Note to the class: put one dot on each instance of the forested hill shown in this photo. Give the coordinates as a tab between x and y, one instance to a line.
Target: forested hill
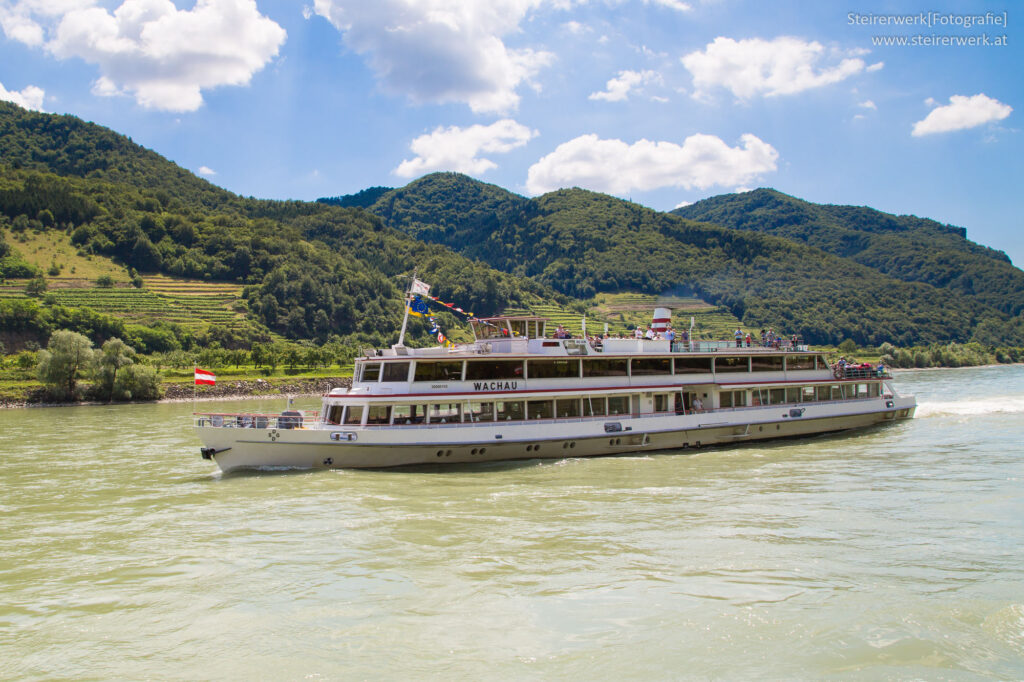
581	243
906	247
311	269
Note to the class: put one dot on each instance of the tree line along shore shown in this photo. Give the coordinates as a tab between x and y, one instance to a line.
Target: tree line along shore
72	370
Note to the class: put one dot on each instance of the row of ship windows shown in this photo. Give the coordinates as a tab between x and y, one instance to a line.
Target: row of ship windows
590	406
572	368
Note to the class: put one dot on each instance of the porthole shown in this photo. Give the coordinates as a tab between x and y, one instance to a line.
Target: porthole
760	428
572	444
483	450
473	451
440	453
777	427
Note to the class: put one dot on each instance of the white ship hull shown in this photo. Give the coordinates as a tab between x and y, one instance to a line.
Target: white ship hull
325	447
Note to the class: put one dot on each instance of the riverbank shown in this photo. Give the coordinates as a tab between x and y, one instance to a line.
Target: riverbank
223	390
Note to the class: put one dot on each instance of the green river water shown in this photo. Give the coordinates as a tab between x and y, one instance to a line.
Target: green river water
896	553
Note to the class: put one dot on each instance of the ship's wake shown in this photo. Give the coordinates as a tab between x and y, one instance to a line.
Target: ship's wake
971	406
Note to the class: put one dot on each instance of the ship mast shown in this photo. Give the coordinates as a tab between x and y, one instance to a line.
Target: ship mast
405	320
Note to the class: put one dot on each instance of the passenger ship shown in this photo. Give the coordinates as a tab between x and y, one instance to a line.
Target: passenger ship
516	393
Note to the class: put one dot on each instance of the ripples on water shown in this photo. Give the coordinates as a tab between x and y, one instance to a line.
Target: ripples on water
894	553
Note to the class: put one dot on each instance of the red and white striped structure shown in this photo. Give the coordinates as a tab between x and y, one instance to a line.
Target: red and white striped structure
662	316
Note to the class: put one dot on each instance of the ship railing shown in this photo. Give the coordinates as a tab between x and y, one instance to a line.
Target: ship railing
860	373
291	419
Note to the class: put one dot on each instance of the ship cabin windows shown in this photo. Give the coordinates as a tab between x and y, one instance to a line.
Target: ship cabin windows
595	407
410	414
766	363
618	404
480	370
566	368
540	409
732	364
612	367
395	371
445	413
732	399
334	414
661	402
792	395
437	371
508	410
650	366
480	412
371	371
794	362
567	408
807	394
353	415
378	414
692	365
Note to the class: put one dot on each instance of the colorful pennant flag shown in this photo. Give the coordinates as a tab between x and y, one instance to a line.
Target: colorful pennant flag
419	287
418	307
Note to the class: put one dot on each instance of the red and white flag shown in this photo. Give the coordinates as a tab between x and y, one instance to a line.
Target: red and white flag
205	377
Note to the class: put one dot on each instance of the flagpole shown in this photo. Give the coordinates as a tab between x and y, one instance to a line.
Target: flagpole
194	389
405	320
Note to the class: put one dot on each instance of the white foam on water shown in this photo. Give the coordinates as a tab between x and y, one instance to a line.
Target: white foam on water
971	407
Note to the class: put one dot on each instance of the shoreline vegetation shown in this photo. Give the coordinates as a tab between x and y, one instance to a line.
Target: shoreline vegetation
20	385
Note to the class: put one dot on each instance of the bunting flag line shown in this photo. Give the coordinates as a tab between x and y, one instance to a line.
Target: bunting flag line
418	307
450	306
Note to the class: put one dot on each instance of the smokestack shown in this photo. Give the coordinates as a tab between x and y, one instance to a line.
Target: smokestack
662	316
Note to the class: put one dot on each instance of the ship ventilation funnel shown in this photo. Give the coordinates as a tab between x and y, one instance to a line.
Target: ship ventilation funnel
662	317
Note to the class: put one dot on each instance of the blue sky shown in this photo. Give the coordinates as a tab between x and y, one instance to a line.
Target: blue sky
659	101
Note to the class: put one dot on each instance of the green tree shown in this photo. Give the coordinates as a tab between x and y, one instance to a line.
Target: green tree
112	358
105	281
36	286
67	359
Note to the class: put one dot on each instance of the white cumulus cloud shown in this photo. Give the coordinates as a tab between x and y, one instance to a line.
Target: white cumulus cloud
163	56
867	104
458	149
617	89
30	97
961	112
671	4
616	167
441	50
752	67
207	171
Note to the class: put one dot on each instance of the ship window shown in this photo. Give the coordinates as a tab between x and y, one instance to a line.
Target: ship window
378	414
872	390
605	368
693	365
354	414
807	394
445	413
732	364
770	363
651	366
494	369
732	398
777	396
792	395
661	402
396	371
518	327
837	392
509	410
371	371
410	414
334	414
594	407
618	404
799	362
480	412
824	393
862	390
540	409
553	369
568	407
437	371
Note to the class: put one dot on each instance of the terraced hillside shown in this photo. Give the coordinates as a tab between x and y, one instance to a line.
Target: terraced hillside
190	303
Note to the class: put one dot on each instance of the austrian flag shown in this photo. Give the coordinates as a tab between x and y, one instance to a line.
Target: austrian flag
205	377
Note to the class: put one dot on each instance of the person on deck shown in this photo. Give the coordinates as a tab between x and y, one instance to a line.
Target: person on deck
739	337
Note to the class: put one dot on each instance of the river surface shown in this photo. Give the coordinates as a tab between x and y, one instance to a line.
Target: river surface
896	553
